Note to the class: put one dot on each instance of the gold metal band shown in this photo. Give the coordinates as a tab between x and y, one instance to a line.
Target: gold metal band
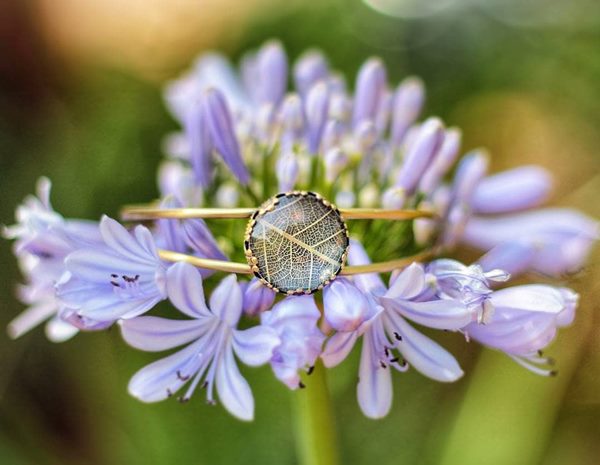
137	213
244	268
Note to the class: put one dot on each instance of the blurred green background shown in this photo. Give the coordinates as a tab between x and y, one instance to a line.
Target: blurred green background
80	102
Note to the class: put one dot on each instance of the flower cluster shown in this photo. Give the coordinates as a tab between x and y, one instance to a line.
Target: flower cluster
245	136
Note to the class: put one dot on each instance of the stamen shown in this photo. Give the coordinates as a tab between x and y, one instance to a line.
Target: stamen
397	336
182	377
301	385
531	367
310	370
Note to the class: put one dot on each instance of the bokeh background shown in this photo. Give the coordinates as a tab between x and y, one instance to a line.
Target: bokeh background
80	102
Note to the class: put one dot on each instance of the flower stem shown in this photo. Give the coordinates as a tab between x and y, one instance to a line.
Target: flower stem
315	435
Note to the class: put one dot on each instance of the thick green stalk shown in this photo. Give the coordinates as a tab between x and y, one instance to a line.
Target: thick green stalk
315	434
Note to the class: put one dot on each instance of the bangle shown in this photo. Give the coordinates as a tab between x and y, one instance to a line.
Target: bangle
295	243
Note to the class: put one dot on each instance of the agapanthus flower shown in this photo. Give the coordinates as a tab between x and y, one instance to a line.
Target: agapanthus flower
295	321
213	340
43	238
248	133
389	341
121	278
525	320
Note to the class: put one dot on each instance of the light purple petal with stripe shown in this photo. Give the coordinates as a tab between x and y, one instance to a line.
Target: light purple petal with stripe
338	347
439	314
154	334
226	301
419	154
234	391
159	380
374	389
367	282
517	189
408	284
222	133
254	346
427	356
184	288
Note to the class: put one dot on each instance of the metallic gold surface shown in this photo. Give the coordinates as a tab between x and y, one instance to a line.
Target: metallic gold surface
244	268
149	213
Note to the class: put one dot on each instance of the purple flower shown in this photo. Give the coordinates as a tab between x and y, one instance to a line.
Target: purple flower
513	190
408	101
371	85
121	278
469	173
420	154
295	321
442	161
257	297
200	143
43	238
317	104
525	321
212	340
468	284
272	69
388	339
210	70
287	170
550	241
222	133
310	68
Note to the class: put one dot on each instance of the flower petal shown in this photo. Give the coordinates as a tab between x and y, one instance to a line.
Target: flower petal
529	298
408	284
226	300
97	265
154	334
427	356
338	347
124	244
184	288
159	380
374	389
440	314
255	346
367	282
233	389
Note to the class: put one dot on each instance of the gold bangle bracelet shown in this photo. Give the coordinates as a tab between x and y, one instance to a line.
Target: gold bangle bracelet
295	243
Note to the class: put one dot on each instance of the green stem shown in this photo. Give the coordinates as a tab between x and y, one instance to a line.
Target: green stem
316	439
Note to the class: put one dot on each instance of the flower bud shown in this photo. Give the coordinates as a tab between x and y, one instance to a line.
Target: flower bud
408	101
222	133
370	87
310	68
287	170
420	154
335	161
346	307
517	189
257	297
227	195
317	103
393	198
272	71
